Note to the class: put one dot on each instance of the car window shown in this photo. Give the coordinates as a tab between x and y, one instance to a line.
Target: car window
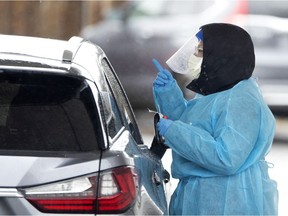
111	113
46	113
122	103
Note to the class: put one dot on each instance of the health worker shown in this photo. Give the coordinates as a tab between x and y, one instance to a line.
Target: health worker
220	138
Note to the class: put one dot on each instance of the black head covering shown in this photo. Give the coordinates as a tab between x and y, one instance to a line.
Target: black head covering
228	58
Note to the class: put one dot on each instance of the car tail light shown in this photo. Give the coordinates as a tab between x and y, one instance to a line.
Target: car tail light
116	193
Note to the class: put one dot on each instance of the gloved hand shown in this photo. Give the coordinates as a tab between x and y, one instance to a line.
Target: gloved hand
164	77
163	125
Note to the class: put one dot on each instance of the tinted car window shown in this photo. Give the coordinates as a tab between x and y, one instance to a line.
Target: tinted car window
121	100
46	112
111	113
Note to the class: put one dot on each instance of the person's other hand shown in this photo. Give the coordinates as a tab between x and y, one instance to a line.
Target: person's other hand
164	77
163	125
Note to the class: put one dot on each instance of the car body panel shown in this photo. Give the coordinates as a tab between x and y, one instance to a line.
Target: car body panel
48	169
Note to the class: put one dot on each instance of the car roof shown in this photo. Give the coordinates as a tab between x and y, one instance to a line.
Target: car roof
45	54
33	46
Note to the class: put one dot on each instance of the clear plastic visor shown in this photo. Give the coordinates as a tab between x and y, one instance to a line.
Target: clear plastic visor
178	62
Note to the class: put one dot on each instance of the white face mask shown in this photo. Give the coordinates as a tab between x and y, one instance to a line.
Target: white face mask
194	66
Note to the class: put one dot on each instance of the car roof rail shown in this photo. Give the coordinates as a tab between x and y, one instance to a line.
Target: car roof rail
73	46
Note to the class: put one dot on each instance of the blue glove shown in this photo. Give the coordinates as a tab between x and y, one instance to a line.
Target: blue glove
164	77
163	125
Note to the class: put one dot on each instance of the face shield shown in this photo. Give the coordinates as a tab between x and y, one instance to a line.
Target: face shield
187	59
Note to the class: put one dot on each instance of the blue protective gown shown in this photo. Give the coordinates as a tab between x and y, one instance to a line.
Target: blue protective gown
219	143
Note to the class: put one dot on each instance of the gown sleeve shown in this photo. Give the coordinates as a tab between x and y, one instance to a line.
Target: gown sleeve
169	100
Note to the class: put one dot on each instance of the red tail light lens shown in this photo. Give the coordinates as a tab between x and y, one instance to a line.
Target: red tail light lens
121	199
117	191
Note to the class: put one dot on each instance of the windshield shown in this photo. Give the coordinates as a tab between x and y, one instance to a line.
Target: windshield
46	113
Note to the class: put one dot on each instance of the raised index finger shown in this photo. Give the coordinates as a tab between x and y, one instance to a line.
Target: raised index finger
158	65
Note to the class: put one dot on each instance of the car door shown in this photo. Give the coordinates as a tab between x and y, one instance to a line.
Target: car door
150	166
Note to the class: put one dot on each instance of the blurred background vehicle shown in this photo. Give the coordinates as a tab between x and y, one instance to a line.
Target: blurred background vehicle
139	31
69	141
270	37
